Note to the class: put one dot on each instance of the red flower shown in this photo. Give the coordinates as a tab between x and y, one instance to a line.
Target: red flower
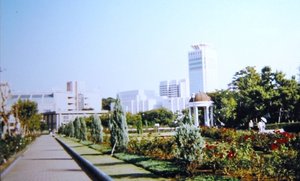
281	141
274	146
210	147
230	154
287	135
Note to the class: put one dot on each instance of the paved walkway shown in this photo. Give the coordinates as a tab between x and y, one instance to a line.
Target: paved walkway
117	169
45	160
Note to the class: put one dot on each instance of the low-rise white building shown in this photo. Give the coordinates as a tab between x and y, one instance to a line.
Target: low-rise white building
173	96
136	101
61	107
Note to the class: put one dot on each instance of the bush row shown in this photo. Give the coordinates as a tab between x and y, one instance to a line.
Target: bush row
13	144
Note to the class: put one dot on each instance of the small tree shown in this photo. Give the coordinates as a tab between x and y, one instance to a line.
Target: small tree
189	146
96	129
139	126
118	128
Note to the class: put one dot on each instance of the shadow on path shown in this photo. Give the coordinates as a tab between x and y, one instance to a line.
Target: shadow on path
65	170
91	154
110	164
134	175
48	159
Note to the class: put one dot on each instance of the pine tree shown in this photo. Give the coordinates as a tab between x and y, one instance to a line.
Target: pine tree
118	128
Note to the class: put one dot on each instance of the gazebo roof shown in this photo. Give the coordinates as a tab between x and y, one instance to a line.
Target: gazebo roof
200	97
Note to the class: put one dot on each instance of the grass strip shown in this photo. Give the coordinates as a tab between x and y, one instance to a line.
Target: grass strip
159	167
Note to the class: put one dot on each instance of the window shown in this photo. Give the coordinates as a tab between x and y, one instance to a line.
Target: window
25	96
14	97
37	96
48	95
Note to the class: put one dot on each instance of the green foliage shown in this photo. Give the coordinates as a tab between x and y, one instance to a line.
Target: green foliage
43	126
118	128
107	102
225	106
88	122
254	95
133	119
161	116
96	130
26	112
185	119
105	119
12	145
35	122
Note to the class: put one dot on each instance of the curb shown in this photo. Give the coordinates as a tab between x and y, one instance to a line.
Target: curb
93	172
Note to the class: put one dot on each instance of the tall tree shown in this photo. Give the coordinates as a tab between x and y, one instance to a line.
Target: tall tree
250	94
118	128
225	107
4	110
268	94
26	112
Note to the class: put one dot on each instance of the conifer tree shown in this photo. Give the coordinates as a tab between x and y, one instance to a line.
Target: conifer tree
96	129
118	128
82	129
77	126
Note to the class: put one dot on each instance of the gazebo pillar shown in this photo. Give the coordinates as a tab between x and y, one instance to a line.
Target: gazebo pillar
206	116
190	113
196	122
212	116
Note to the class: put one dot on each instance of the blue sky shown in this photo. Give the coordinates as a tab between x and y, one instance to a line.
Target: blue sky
123	45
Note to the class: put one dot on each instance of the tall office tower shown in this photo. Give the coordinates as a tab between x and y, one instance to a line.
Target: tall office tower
203	73
173	88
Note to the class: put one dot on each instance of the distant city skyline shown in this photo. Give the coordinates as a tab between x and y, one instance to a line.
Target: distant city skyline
126	45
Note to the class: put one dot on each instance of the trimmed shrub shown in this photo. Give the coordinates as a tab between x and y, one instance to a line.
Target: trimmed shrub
189	147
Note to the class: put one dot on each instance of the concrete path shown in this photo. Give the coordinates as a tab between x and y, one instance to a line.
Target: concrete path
45	160
117	169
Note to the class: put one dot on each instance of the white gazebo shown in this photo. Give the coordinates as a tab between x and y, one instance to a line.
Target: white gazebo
201	100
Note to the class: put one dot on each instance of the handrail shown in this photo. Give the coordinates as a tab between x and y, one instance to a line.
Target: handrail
93	172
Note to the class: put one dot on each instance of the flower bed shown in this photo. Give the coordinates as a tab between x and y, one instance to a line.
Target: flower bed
239	154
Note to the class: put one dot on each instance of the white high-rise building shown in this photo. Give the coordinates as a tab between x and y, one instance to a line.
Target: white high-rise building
203	72
173	88
174	95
